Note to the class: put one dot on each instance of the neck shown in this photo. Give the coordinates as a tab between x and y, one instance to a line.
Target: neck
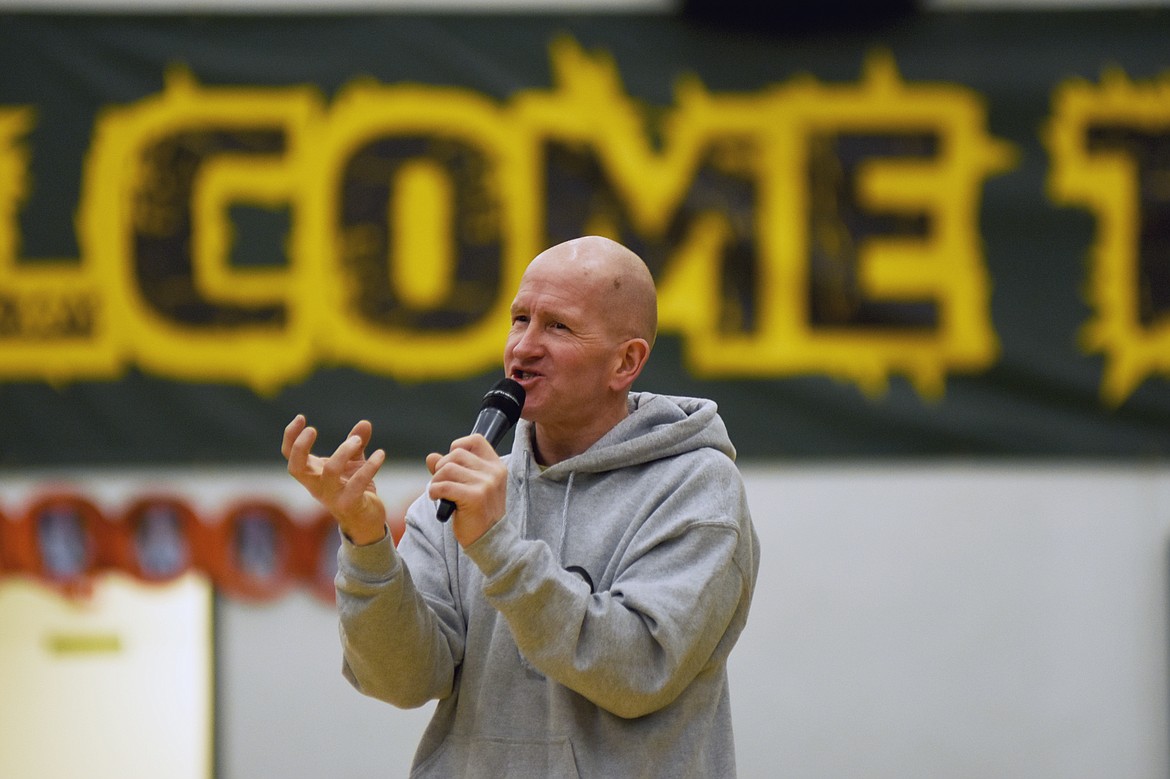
552	444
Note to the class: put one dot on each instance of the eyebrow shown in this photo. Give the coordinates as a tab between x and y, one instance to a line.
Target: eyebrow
558	314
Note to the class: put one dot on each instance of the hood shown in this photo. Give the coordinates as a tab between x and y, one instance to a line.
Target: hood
658	426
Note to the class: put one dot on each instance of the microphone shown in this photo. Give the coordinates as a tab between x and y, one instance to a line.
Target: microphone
499	410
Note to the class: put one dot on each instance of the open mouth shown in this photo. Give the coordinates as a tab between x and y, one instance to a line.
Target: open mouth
520	375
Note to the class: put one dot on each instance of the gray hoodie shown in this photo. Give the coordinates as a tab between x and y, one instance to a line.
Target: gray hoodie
587	632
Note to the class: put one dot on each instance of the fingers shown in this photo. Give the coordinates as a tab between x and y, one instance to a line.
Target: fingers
363	430
291	431
356	506
343	482
324	477
343	462
476	444
460	460
355	488
298	451
475	479
469	466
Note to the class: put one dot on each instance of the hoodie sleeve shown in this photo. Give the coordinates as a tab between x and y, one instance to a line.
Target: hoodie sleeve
401	641
676	605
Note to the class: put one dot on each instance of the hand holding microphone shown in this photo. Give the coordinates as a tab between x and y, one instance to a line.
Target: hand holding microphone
498	412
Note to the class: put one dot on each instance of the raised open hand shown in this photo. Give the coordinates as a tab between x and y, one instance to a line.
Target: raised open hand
343	482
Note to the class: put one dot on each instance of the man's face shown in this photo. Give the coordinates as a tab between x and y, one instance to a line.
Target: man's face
559	347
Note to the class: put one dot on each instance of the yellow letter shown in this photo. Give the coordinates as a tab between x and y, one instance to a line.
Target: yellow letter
158	185
416	219
1102	141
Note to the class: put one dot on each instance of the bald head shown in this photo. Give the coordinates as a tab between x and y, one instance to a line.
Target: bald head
616	278
583	321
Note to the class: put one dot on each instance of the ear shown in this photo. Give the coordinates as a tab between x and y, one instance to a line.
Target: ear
630	359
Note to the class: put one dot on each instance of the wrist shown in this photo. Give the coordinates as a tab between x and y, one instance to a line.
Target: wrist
365	536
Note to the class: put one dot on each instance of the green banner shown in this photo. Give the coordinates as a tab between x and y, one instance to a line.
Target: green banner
944	235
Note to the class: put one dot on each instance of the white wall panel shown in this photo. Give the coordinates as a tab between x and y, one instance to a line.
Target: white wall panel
983	620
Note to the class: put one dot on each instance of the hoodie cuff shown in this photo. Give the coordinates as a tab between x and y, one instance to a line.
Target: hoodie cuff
490	552
368	562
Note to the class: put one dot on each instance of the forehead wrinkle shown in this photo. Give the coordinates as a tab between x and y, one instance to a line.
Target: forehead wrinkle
557	302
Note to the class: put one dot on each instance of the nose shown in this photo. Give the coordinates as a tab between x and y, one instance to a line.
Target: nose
526	342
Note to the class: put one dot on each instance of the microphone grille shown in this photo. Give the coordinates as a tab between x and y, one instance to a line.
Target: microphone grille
507	396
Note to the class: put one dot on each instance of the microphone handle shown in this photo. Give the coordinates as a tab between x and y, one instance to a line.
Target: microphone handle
491	424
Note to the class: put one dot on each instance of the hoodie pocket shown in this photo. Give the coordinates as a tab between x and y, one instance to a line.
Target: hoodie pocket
492	758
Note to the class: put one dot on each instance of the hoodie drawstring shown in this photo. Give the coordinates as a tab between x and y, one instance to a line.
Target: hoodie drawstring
565	519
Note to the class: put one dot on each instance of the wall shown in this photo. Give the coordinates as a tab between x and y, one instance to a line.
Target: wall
956	620
912	620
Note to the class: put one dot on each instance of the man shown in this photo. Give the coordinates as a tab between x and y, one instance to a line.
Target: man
575	616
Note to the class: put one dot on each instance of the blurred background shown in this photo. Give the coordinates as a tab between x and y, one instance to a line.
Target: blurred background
918	252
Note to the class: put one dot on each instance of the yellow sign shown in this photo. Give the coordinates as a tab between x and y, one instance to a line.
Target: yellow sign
804	229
